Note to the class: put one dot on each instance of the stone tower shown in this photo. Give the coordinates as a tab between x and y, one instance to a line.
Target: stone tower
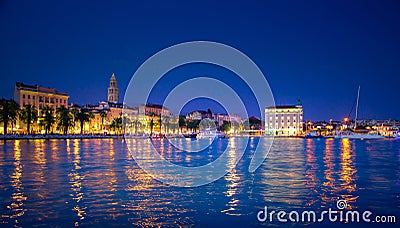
113	90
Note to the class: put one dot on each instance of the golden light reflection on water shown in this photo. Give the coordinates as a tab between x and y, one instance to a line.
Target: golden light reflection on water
38	173
17	198
283	175
329	183
232	182
347	173
143	180
75	180
91	181
153	198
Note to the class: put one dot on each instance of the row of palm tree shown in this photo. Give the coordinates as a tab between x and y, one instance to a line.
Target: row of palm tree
9	110
63	118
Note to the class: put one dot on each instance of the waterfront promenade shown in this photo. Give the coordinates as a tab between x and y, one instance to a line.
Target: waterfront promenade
58	136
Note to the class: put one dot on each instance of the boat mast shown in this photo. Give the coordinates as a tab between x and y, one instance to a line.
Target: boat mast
355	119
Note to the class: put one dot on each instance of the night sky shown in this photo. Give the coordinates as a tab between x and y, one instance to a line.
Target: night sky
318	51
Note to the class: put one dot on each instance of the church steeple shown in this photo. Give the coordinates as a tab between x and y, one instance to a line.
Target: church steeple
113	92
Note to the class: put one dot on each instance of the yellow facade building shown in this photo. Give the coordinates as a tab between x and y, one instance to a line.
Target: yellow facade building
284	120
39	96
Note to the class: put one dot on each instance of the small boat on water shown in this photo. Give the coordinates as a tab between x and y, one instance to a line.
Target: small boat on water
358	134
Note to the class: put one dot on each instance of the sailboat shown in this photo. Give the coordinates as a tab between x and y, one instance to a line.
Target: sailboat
358	134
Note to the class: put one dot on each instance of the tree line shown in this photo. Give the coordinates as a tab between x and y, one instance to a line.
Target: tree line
63	119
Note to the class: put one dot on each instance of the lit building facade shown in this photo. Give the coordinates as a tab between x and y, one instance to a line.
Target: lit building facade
220	118
153	109
284	120
39	96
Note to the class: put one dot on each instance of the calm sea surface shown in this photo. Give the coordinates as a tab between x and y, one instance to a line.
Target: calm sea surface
95	182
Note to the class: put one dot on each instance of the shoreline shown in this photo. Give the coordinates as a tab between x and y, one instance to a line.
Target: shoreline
57	136
89	136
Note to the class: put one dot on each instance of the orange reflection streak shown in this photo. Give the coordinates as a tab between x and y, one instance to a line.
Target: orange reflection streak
233	181
142	178
347	173
140	186
76	183
68	141
39	155
55	148
111	172
17	197
40	161
329	182
112	152
146	210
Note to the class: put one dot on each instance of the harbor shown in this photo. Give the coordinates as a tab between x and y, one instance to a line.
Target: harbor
199	114
95	182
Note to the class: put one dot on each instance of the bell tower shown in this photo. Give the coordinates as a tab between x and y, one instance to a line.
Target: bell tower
113	93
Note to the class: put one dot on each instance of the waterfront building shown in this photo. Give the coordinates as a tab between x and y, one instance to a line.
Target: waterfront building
153	110
113	91
387	130
39	96
99	124
285	120
232	118
199	115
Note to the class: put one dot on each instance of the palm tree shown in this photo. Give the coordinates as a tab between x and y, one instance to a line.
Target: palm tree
91	116
74	112
166	124
64	119
182	122
29	116
103	115
126	123
9	110
136	123
116	124
48	118
83	116
151	126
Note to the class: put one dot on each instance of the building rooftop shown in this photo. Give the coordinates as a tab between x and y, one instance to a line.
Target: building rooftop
283	107
154	106
38	88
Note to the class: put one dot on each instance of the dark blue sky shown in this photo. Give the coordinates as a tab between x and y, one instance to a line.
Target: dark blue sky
318	51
